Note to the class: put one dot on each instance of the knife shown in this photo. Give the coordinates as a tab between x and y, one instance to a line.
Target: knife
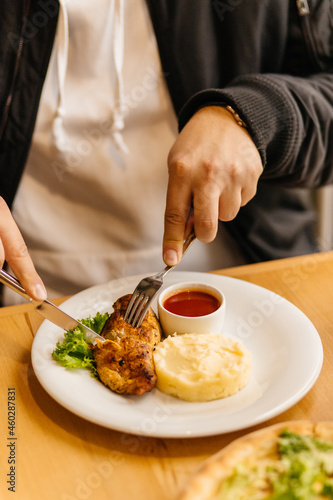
47	309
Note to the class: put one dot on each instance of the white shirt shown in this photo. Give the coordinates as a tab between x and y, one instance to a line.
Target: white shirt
93	213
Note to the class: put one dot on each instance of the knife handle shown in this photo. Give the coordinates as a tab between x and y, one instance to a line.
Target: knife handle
13	283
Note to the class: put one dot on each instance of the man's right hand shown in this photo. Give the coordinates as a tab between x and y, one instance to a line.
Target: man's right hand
214	168
14	250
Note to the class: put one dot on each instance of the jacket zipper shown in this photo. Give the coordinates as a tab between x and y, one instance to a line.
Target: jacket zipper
303	7
304	11
16	68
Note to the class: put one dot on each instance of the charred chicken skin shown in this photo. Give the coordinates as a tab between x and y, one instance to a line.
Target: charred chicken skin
125	361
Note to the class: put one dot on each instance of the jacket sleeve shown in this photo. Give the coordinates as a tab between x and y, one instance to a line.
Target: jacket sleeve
290	120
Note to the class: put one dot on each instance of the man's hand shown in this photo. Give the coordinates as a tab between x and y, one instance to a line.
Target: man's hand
13	249
214	168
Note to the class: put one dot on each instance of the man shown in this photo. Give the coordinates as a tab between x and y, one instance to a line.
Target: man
251	85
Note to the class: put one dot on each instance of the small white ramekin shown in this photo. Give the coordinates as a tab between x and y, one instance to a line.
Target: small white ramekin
173	323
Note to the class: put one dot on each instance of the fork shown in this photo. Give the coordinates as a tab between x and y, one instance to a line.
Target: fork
147	289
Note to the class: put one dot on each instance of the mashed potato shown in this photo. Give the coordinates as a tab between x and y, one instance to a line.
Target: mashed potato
201	367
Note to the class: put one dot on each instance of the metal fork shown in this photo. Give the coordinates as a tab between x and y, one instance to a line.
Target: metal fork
147	289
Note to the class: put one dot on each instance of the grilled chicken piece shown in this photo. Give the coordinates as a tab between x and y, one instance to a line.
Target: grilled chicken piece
125	362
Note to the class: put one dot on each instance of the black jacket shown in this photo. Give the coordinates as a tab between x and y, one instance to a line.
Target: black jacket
272	60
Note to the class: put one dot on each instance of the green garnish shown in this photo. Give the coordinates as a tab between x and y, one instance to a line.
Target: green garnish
308	468
304	472
75	350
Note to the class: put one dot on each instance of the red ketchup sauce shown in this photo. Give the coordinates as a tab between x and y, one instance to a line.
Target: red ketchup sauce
191	303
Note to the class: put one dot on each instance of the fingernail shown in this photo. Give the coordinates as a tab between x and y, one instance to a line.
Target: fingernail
40	292
171	257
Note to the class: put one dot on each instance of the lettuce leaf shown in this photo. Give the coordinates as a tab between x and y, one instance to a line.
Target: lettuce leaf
75	351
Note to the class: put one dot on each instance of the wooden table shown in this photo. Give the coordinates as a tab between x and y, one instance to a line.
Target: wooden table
59	456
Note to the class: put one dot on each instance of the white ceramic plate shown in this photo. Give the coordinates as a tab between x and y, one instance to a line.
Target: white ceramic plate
287	359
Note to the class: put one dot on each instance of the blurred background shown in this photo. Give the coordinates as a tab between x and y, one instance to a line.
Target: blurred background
324	201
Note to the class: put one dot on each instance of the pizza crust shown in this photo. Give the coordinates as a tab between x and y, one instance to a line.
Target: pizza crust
251	448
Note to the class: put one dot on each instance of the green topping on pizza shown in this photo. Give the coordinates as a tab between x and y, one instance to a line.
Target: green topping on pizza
303	471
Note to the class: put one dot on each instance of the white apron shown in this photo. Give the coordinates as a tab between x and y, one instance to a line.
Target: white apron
91	201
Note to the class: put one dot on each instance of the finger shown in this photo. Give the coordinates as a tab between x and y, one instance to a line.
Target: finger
2	254
247	194
250	186
240	187
17	255
229	206
176	219
206	205
235	195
